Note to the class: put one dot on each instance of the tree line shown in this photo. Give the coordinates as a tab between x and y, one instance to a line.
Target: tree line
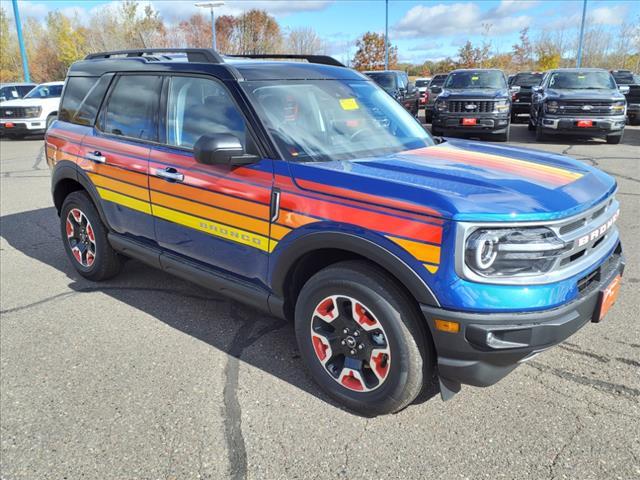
53	44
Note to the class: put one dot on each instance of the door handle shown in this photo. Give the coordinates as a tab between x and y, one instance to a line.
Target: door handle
170	174
97	157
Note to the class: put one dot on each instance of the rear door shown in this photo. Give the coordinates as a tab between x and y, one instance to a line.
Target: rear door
213	214
116	153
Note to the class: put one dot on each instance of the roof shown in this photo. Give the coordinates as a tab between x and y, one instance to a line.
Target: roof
51	83
16	84
578	70
476	70
207	61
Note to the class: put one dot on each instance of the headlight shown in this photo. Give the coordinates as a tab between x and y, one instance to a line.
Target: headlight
32	112
618	107
509	252
502	106
441	105
552	106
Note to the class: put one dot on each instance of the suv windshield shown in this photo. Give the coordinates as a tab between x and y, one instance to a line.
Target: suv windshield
623	78
385	80
527	79
581	80
475	79
45	91
322	120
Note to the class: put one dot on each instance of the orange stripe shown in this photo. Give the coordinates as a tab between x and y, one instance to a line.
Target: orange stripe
211	198
119	174
278	231
233	219
421	251
294	220
116	186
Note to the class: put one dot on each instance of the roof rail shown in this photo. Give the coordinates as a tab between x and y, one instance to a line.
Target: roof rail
321	59
201	55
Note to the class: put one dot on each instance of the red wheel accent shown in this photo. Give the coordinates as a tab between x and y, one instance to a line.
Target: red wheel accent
90	259
77	254
90	233
69	228
320	347
80	237
327	309
77	215
380	364
363	317
351	381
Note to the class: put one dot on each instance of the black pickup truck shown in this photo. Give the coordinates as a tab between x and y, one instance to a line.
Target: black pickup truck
473	102
584	102
396	83
629	86
521	85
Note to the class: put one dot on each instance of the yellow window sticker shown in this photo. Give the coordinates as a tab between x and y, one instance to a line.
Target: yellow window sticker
581	77
475	78
349	104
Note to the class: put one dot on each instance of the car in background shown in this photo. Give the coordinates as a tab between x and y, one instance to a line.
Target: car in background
422	84
629	86
520	86
433	90
473	102
33	114
14	91
396	83
578	101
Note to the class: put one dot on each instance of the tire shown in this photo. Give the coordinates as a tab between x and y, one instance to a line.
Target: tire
614	139
514	117
93	258
540	136
502	137
50	120
389	345
634	121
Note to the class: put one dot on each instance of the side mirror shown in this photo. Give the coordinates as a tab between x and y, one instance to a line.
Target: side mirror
624	89
221	149
436	90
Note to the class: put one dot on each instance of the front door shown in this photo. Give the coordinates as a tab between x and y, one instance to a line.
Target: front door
213	214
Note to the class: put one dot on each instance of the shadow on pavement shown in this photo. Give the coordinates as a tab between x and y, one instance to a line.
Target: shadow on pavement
222	323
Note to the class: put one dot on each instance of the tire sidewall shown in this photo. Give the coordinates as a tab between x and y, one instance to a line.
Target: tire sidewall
386	397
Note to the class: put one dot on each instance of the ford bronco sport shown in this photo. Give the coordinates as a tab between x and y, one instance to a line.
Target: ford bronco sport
304	190
578	101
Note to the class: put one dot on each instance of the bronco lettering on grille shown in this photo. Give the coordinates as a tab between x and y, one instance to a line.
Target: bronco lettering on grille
598	232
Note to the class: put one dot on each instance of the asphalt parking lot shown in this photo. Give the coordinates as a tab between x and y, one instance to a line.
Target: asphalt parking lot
148	376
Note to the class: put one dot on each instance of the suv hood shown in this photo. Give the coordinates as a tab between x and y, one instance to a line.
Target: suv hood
585	94
469	181
31	102
475	93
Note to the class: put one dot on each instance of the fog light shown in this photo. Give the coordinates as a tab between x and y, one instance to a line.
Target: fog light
447	326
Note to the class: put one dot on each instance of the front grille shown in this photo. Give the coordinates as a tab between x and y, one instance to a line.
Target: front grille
13	112
586	108
470	106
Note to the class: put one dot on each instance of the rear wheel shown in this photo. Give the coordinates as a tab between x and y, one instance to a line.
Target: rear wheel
614	139
85	239
362	339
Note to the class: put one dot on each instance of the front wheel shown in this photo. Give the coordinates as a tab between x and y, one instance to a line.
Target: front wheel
614	139
539	134
503	137
85	239
362	338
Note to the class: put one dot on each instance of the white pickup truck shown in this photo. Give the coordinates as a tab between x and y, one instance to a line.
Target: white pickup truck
32	114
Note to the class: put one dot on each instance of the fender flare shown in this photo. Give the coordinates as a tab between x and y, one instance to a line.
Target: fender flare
66	169
355	244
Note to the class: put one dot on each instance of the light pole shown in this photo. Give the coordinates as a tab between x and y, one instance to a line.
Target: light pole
386	35
211	6
584	14
23	51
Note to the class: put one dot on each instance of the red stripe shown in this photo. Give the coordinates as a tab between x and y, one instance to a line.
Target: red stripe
355	216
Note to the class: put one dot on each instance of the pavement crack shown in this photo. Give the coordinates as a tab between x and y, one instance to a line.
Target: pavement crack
245	336
580	351
565	445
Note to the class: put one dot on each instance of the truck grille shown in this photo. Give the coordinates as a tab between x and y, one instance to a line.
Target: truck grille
585	108
12	112
471	106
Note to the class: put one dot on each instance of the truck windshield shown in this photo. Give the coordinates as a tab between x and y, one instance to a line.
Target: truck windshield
582	80
527	79
475	79
385	80
322	120
45	91
438	81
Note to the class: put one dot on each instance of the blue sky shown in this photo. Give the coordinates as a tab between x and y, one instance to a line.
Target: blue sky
421	29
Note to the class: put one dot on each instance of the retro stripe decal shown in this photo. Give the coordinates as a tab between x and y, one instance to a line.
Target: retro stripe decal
125	201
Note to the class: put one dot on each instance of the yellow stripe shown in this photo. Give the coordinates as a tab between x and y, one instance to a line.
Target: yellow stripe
121	187
213	228
120	199
431	268
422	251
524	163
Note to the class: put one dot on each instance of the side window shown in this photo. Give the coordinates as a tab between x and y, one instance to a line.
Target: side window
199	106
74	92
402	81
132	110
25	89
88	109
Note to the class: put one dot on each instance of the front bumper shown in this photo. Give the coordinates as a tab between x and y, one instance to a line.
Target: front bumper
485	122
22	126
569	125
489	346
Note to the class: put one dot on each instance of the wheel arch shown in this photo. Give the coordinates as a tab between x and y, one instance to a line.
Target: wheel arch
312	252
67	178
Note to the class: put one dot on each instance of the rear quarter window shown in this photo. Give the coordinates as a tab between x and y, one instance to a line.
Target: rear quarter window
75	91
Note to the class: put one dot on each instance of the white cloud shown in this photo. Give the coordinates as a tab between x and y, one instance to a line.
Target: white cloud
456	18
613	15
